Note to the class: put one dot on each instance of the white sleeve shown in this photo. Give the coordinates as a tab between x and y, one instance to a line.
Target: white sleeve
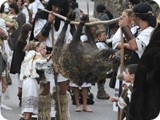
68	37
116	39
39	24
3	26
34	9
142	40
100	46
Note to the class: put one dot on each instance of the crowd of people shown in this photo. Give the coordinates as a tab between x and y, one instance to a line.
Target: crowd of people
27	37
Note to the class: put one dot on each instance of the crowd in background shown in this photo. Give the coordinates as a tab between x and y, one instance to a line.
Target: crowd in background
17	20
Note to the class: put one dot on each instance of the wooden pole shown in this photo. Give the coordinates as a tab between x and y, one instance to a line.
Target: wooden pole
121	73
56	81
88	7
108	22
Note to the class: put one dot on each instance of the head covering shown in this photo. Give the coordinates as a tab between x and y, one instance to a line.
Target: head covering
99	31
100	8
144	11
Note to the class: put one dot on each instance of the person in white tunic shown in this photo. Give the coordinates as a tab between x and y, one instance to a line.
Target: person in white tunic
3	35
146	22
45	27
34	6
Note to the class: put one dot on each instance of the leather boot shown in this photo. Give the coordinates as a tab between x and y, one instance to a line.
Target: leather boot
101	94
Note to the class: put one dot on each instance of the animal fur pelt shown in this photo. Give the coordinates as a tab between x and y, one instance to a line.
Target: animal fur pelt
81	61
64	103
44	105
145	102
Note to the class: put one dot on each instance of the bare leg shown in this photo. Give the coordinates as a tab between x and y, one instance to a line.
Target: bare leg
63	87
76	95
20	95
85	95
19	89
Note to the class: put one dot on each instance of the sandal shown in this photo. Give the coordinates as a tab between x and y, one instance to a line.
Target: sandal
87	110
78	109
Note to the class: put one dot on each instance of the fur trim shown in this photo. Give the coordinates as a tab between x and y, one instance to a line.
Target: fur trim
64	103
44	107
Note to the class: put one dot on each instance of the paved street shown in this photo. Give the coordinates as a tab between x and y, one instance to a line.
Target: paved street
102	109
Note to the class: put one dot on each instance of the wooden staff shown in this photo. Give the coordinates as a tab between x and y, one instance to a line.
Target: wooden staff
87	7
121	74
108	22
56	81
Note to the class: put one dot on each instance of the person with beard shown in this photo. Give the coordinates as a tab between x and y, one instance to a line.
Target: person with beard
44	26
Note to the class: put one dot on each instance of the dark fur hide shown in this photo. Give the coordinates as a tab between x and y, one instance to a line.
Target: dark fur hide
145	102
81	61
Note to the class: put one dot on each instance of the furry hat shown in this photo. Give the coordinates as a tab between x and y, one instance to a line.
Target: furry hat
64	4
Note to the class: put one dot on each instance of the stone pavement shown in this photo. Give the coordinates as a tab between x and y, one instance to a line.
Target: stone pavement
102	109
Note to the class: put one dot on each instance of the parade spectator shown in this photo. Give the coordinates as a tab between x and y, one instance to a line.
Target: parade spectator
27	12
100	38
145	19
116	44
33	6
10	23
104	14
18	56
20	18
125	97
132	3
3	58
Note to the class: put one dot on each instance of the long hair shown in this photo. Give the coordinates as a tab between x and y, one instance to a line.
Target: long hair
15	7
